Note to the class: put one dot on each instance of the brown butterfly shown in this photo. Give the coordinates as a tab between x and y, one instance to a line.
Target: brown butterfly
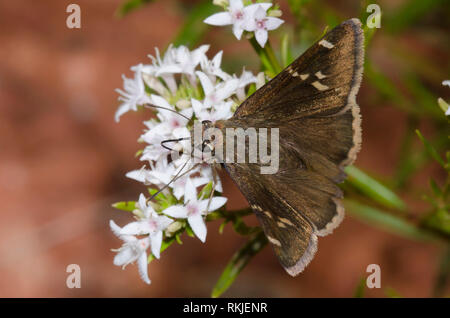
313	104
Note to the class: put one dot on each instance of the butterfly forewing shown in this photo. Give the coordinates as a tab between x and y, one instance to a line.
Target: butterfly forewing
312	103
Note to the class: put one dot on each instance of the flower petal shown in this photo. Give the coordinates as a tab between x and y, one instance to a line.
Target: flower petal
273	23
176	211
236	4
135	228
164	222
190	192
156	241
228	89
221	18
207	85
197	106
216	203
261	37
238	30
198	226
125	107
142	267
124	257
142	202
115	228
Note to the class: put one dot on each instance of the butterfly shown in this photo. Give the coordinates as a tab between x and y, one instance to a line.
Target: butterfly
312	102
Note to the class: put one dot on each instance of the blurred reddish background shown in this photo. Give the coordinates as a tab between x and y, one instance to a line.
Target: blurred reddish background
63	161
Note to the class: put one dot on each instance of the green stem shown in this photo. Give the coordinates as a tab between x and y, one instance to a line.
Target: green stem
273	59
267	57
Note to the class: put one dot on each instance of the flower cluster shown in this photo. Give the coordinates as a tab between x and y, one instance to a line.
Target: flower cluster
253	17
180	87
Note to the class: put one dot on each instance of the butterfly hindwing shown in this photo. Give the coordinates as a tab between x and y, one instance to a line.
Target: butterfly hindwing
313	104
291	235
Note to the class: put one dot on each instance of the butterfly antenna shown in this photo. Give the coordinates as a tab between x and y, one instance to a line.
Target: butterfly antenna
170	110
172	140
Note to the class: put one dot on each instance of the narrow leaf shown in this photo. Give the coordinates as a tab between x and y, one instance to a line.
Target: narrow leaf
389	222
238	262
373	189
129	206
129	6
430	149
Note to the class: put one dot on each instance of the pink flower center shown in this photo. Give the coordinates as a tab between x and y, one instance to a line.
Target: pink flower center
175	123
192	209
261	24
238	15
153	225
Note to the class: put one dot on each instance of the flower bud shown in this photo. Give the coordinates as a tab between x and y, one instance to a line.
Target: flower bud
274	13
173	228
221	3
183	104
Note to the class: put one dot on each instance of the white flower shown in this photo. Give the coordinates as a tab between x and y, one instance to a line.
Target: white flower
134	93
212	68
132	250
260	24
221	111
152	224
188	60
171	126
194	209
446	83
237	15
245	79
215	94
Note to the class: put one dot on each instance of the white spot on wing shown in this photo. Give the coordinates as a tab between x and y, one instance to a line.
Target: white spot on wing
304	76
319	75
286	221
326	44
319	86
273	241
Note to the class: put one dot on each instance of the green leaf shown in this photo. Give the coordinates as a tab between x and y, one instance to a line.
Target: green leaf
360	288
409	12
238	262
189	231
129	206
130	5
286	53
373	189
205	192
430	149
436	190
194	28
138	153
392	293
389	222
439	220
